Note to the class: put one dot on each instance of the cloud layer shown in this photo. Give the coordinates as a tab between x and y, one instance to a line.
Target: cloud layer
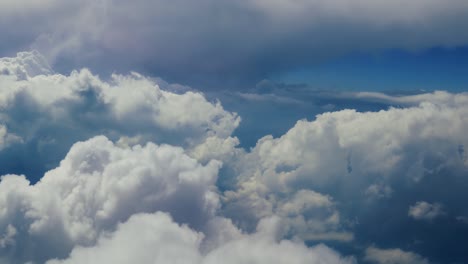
123	165
224	39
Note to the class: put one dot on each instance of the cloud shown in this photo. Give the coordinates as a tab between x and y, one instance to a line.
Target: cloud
304	214
425	211
50	111
362	144
105	204
393	256
144	238
249	39
95	187
378	191
368	166
156	239
345	178
261	248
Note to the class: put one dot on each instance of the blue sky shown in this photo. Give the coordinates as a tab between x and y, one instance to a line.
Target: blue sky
396	70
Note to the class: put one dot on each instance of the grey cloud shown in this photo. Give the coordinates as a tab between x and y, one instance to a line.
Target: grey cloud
227	40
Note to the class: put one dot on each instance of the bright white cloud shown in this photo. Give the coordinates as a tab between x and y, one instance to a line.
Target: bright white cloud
96	186
393	256
357	155
74	212
25	65
350	142
143	238
156	239
50	112
120	99
425	211
262	248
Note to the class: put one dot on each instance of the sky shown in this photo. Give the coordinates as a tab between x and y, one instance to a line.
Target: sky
256	131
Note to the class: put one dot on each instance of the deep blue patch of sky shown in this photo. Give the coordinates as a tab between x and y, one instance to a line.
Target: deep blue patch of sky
433	69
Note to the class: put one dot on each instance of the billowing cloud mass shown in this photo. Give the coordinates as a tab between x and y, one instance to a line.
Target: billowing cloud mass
124	171
126	193
225	39
45	113
98	185
365	153
78	206
156	239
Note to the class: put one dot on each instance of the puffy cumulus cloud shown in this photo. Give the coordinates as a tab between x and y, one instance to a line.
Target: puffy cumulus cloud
363	144
279	33
425	211
51	111
96	186
142	204
156	239
393	256
144	238
330	178
25	65
217	148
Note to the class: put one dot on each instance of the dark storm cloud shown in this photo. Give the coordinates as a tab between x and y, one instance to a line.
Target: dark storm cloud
207	41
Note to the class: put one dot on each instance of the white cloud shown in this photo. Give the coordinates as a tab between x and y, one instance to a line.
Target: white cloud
347	155
25	65
291	187
105	204
49	112
123	96
320	152
304	214
156	239
143	238
425	211
96	186
262	248
217	148
393	256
